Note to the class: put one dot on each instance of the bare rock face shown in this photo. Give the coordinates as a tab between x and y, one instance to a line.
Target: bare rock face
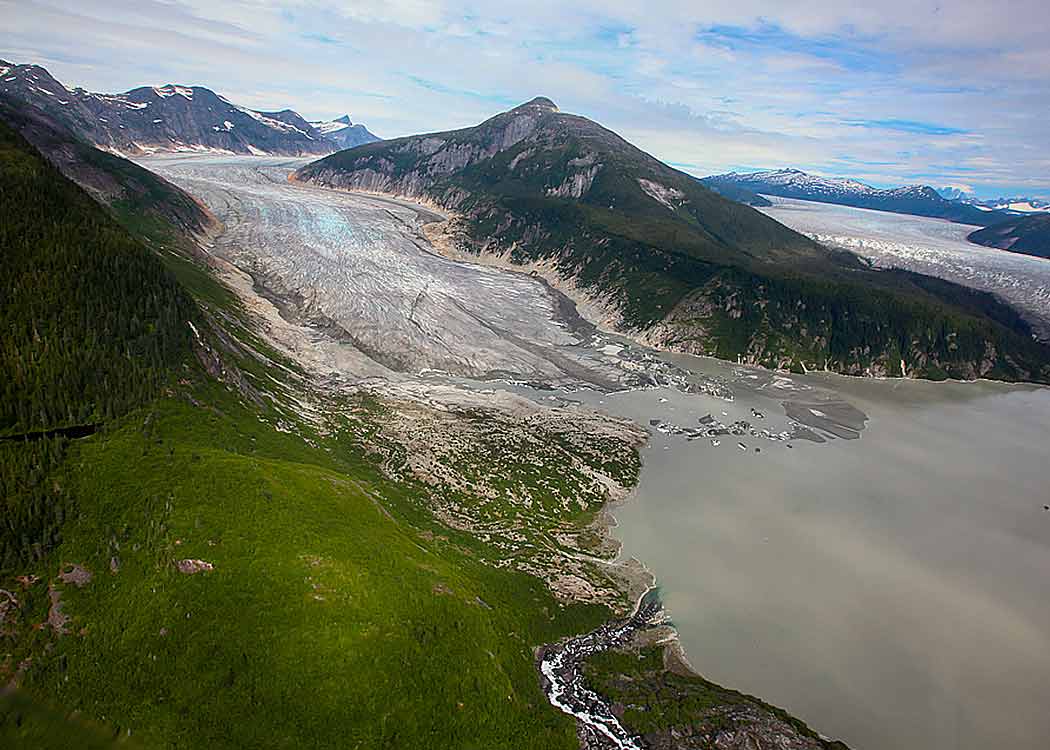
437	155
736	728
8	606
77	575
56	618
191	566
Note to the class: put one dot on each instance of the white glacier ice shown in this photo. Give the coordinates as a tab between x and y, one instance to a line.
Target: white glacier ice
930	246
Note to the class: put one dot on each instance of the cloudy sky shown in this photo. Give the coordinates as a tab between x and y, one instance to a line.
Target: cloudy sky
946	92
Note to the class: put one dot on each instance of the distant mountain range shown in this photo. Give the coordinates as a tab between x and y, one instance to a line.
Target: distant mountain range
174	118
1029	235
133	194
917	200
1017	204
661	257
739	194
344	133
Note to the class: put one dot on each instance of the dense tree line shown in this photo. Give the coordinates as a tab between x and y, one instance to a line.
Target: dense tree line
35	502
848	316
91	326
90	320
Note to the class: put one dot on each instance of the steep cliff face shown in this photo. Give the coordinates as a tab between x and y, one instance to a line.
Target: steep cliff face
675	264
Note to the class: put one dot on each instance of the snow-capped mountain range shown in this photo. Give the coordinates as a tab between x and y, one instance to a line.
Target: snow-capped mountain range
919	200
174	118
344	132
1017	204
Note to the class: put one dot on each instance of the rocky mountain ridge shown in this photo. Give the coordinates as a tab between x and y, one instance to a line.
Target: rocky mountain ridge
917	200
134	194
171	118
1029	235
674	264
344	133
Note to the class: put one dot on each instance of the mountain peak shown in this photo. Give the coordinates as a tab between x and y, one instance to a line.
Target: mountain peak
918	200
540	102
171	117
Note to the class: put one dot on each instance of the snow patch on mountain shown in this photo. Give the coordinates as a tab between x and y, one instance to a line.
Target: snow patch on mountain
1026	207
800	180
332	126
172	90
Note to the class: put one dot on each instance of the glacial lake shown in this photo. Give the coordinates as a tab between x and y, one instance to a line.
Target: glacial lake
892	590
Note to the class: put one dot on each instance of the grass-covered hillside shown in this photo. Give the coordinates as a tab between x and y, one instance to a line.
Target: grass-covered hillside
334	611
680	265
218	554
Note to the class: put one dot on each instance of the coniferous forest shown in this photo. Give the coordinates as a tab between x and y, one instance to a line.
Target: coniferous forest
91	324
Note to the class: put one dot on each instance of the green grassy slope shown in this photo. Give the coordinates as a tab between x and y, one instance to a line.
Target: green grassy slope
338	612
328	620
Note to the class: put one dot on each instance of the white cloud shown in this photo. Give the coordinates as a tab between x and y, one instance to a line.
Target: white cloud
774	84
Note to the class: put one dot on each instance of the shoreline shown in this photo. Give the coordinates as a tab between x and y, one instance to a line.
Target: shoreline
638	573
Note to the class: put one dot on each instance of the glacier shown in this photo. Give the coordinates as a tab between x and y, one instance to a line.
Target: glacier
931	246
